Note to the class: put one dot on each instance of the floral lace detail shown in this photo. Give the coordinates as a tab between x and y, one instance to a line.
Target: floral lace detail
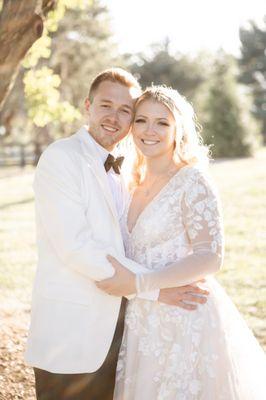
168	353
201	203
161	224
166	340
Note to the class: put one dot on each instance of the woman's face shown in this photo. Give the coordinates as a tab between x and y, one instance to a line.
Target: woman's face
154	129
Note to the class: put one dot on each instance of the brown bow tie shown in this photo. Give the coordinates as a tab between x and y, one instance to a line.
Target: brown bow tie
113	162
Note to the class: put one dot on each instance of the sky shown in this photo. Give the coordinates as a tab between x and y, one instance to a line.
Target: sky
191	25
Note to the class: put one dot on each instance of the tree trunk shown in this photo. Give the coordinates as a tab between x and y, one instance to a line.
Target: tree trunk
20	27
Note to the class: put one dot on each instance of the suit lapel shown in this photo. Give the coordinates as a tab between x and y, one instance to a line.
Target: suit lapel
90	153
101	176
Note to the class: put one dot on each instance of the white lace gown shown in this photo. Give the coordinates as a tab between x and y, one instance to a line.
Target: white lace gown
169	353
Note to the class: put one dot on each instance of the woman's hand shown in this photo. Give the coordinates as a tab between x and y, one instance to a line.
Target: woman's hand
121	284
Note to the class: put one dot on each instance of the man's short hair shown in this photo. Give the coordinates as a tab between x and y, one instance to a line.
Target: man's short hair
116	75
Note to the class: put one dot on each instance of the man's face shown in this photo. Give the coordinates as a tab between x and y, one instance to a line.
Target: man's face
110	113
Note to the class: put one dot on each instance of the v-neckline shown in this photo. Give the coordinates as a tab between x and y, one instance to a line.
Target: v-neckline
154	198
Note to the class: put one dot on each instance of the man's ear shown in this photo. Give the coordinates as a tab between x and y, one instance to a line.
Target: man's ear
87	104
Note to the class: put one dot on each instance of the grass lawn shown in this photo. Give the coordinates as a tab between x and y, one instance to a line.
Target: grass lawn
17	235
243	192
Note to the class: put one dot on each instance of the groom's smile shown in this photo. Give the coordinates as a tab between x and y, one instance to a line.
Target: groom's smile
109	129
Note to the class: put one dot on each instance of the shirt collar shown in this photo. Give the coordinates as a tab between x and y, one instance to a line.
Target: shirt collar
103	153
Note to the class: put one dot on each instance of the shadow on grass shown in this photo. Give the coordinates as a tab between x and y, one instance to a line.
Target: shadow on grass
16	203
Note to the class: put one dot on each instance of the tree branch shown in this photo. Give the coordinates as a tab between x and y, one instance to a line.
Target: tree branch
20	27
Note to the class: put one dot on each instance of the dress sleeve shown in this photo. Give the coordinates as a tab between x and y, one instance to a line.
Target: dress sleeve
203	226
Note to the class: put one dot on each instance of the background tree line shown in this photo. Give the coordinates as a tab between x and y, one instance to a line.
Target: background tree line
54	51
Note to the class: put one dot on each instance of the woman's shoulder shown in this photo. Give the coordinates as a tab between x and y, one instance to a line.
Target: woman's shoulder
196	170
194	177
192	173
197	173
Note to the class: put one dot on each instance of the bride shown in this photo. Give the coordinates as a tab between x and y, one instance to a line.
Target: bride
172	225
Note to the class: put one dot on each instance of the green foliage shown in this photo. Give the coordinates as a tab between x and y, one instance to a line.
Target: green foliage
82	47
228	123
210	82
75	52
252	64
42	47
42	85
76	44
161	67
42	95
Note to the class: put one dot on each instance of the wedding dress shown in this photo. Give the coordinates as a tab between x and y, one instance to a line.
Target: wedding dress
169	353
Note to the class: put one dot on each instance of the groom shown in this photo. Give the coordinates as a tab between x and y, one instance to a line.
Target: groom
79	200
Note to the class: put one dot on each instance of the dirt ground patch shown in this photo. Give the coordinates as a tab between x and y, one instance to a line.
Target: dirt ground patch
16	379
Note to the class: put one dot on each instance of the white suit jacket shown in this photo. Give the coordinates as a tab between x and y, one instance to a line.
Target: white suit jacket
72	321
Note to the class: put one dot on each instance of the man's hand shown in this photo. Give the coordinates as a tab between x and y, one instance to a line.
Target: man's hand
181	296
121	284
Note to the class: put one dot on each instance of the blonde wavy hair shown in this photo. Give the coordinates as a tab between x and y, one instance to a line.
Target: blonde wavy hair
189	147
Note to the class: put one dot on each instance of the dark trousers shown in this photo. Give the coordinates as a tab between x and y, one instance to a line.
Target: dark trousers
98	385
